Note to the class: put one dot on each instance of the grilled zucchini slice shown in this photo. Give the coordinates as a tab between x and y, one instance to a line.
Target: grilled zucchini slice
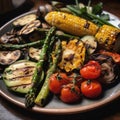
90	43
18	76
9	57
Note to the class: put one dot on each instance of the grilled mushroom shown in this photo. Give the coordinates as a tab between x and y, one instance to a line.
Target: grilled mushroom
110	71
44	9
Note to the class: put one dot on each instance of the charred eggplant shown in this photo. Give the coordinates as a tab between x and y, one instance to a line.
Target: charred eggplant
9	57
30	27
34	53
30	33
10	37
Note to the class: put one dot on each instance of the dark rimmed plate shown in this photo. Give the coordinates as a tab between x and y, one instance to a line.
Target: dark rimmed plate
55	106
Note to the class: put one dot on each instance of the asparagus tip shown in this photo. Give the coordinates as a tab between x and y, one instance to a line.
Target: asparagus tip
29	99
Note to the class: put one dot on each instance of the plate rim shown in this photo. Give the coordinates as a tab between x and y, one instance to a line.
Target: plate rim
59	111
62	111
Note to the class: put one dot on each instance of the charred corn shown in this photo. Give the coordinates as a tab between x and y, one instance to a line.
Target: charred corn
107	37
71	23
73	55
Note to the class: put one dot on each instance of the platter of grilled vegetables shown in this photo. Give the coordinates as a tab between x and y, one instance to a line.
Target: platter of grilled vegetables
60	57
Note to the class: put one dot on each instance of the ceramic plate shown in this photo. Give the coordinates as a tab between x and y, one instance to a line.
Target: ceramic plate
55	106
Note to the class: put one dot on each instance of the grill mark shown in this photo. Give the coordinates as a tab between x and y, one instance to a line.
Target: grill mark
5	53
10	60
106	40
82	49
86	25
69	57
16	53
13	79
20	85
22	68
3	60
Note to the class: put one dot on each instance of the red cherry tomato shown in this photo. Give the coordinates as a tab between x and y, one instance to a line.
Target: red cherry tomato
91	88
56	81
91	70
70	93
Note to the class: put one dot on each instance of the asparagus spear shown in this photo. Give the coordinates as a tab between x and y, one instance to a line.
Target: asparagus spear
59	34
16	46
30	96
44	92
31	44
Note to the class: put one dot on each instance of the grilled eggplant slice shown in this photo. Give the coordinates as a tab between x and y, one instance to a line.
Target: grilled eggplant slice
9	57
30	27
18	76
29	32
24	20
10	37
90	43
34	53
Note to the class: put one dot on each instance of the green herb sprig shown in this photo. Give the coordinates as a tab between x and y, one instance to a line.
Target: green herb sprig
92	13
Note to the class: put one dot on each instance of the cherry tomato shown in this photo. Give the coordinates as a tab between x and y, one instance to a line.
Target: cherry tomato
91	88
70	93
56	81
91	70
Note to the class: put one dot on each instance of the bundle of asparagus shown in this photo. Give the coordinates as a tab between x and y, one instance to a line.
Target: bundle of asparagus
37	77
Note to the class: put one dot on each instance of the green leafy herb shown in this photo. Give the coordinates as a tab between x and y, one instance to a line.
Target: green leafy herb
94	14
97	9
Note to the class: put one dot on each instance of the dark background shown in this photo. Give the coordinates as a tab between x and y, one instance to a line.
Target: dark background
108	5
15	12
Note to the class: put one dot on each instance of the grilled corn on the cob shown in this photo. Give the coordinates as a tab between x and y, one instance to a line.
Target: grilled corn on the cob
71	23
107	37
73	55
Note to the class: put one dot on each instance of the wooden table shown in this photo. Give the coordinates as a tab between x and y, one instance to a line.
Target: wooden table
111	111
